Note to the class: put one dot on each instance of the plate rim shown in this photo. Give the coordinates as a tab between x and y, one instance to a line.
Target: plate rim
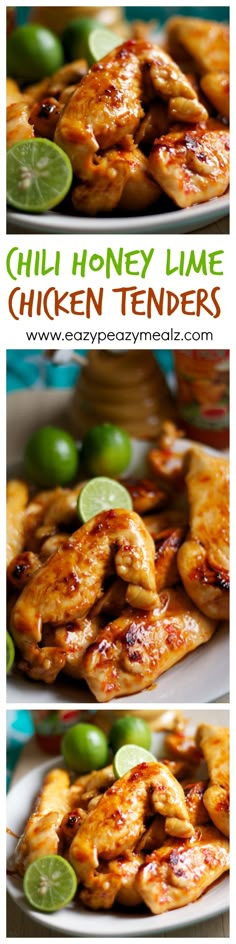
97	225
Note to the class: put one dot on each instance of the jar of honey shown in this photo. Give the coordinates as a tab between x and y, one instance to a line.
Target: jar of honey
127	388
56	18
203	395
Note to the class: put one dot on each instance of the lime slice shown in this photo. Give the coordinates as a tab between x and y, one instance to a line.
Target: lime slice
85	38
39	175
10	652
100	42
130	755
101	494
49	883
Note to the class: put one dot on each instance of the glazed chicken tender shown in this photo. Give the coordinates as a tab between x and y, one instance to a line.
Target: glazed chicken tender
17	497
116	824
179	873
214	742
192	165
135	649
40	836
206	41
71	581
203	559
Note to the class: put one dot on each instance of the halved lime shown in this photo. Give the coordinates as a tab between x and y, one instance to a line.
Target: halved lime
130	755
39	175
49	883
102	494
85	38
101	41
10	652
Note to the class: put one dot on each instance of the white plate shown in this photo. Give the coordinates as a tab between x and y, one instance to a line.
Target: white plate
76	920
202	676
176	221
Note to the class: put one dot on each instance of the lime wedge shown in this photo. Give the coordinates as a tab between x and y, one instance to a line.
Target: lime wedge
10	652
130	755
100	42
101	494
39	175
49	883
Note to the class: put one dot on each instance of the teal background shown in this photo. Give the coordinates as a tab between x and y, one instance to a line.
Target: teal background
19	729
29	368
160	13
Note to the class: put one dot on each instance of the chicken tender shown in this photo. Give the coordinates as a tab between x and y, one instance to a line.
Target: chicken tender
179	872
206	41
135	649
203	559
40	836
17	497
215	86
69	583
116	824
18	125
192	165
214	743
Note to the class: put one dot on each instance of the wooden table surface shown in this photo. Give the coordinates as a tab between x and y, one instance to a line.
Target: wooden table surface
20	925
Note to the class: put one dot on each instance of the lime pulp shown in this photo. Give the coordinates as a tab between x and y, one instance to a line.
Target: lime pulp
100	42
130	755
39	175
102	494
10	652
49	883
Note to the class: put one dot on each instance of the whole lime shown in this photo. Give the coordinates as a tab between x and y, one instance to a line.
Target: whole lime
84	748
88	39
51	457
130	730
106	450
33	52
75	37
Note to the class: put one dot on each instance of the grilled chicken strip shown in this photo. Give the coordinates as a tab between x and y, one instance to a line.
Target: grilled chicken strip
206	41
203	559
133	650
179	872
214	743
117	823
191	164
69	583
17	497
40	836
